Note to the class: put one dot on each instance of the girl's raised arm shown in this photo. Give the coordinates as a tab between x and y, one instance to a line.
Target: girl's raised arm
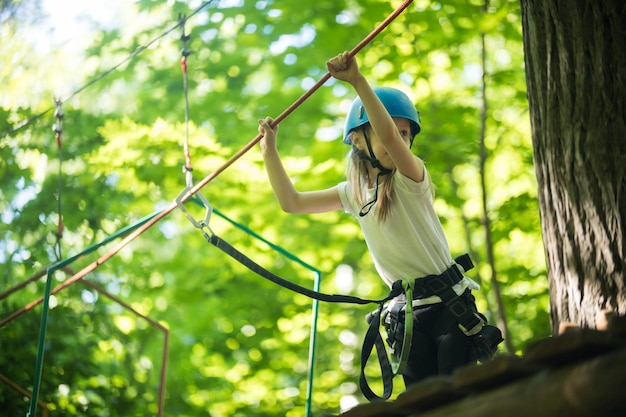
345	68
290	199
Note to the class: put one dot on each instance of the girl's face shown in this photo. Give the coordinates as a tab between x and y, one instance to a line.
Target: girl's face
358	139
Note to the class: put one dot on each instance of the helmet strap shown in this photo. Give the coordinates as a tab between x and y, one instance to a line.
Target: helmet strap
376	164
371	157
367	207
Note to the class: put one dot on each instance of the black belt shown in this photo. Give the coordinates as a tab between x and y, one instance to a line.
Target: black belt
434	284
441	286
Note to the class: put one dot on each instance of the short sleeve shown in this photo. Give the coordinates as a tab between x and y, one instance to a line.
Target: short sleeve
422	187
345	195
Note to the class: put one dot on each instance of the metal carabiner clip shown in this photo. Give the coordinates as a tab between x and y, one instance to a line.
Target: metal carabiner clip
202	224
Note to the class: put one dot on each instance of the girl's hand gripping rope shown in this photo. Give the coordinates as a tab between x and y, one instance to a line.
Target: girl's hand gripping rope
344	68
269	133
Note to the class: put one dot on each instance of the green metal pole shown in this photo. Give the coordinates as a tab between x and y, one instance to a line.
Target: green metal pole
315	308
46	303
312	346
40	349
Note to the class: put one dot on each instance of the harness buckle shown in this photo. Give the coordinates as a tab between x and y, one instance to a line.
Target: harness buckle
393	321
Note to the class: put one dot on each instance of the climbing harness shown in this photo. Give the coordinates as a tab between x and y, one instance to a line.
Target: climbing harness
397	320
471	322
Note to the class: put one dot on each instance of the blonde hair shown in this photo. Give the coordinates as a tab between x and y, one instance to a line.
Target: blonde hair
357	174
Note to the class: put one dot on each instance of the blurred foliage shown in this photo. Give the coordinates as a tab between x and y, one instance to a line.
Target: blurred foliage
239	345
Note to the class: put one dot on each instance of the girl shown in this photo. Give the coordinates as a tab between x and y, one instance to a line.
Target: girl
389	191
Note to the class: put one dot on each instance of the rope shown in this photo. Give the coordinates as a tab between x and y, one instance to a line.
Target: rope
62	264
187	168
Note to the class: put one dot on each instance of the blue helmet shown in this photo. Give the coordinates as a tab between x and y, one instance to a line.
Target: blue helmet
395	101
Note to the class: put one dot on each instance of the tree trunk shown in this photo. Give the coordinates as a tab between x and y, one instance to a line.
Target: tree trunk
575	71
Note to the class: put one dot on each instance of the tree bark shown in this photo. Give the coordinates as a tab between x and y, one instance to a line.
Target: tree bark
575	56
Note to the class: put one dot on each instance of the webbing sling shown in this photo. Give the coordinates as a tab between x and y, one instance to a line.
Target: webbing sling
388	369
372	336
254	267
399	364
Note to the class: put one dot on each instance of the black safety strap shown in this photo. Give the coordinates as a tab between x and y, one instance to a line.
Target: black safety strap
254	267
372	337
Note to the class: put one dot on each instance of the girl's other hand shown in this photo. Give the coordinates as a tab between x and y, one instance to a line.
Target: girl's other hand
268	132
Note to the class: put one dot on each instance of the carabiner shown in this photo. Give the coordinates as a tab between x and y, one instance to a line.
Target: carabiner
202	224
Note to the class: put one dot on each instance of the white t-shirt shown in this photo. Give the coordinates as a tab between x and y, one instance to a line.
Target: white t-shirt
410	242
